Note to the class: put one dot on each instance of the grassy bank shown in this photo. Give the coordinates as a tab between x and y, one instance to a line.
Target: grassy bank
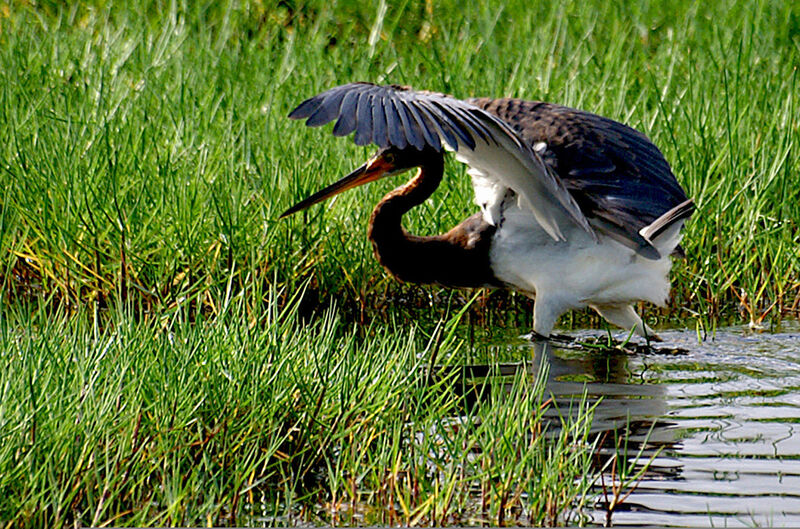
146	155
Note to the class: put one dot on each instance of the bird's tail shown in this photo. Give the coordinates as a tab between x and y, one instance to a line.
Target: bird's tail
665	232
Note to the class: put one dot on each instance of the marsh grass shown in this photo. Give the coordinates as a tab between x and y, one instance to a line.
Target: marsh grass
168	422
172	354
146	153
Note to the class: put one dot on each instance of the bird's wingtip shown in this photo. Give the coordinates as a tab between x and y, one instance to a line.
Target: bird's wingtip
303	110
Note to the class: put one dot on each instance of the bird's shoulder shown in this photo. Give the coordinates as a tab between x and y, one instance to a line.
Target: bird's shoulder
578	141
620	179
591	154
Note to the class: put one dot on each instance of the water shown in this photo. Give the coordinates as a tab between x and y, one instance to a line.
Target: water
717	422
720	420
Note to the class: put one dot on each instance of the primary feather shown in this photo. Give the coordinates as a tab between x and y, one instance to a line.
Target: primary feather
484	142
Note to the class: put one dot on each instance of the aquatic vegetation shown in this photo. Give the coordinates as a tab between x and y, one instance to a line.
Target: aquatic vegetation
172	422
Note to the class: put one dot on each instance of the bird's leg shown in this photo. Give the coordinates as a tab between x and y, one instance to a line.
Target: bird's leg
546	311
624	316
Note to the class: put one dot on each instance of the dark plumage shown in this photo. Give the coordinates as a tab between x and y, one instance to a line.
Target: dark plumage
456	259
614	172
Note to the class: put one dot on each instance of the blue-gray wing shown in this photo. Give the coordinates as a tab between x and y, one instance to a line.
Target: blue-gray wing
400	117
394	115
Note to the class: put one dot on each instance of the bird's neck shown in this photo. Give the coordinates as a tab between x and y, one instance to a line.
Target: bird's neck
458	258
387	214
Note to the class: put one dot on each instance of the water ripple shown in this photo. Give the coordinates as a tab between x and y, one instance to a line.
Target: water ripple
727	418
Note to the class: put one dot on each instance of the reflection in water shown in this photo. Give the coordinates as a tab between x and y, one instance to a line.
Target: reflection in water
629	418
625	405
720	423
606	378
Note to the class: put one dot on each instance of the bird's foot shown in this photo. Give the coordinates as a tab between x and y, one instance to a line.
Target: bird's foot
653	337
561	340
536	337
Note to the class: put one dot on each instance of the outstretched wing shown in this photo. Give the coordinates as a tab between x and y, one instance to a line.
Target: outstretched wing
618	177
401	117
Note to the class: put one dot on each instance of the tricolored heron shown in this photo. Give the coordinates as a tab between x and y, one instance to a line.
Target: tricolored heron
577	210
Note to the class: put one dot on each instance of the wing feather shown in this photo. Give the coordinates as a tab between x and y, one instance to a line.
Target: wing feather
307	107
327	110
439	122
621	180
394	125
455	123
474	124
347	115
379	135
431	138
392	115
410	126
364	120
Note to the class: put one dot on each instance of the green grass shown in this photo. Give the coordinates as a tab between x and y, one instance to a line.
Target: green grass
222	422
154	367
146	153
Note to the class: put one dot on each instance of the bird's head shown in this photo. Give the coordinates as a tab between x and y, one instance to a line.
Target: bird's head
388	161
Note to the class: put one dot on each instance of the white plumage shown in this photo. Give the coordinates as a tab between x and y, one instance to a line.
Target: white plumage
539	250
577	273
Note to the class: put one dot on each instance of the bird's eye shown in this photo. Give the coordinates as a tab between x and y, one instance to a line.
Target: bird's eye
389	157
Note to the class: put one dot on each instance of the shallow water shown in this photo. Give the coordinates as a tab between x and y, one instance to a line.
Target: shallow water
721	422
717	422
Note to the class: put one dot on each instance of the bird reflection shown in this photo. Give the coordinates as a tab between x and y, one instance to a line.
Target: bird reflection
624	403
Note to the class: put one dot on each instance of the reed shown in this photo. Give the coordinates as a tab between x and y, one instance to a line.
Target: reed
265	419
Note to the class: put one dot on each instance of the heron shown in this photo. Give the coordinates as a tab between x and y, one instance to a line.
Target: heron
575	210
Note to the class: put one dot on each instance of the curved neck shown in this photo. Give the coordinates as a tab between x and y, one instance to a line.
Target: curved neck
458	258
387	214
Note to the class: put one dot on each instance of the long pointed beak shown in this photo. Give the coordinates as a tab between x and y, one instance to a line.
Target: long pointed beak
369	172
